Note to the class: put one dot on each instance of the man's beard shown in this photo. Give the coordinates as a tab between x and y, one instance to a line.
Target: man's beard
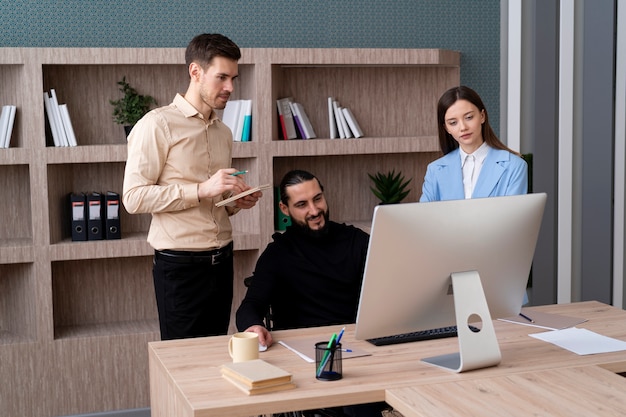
303	227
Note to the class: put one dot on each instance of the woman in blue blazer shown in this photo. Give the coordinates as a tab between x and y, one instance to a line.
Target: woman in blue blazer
464	131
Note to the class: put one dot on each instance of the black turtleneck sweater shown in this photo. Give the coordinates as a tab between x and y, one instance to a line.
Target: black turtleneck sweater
308	281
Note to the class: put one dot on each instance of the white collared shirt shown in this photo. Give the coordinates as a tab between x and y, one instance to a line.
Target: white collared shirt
480	155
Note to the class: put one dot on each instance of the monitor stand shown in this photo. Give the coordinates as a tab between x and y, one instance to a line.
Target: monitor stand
477	349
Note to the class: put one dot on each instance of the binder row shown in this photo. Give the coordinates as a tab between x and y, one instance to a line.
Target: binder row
95	216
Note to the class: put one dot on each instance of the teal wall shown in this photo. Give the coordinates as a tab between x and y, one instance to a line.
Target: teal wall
469	26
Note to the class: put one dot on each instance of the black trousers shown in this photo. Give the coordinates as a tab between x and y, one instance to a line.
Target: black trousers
193	294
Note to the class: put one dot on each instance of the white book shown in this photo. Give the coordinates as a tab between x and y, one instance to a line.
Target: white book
352	123
67	125
4	122
344	124
304	120
9	128
238	132
332	123
230	117
51	120
57	115
286	117
342	135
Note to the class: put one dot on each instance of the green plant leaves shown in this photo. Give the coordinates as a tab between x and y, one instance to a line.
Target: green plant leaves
389	188
132	106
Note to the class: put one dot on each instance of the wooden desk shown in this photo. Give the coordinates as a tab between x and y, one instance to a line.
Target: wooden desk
586	391
185	380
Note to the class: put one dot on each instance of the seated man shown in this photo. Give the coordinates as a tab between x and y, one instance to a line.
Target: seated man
311	274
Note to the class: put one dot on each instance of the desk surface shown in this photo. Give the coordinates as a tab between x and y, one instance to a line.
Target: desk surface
185	379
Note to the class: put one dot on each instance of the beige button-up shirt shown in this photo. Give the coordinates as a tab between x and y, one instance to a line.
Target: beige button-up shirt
170	151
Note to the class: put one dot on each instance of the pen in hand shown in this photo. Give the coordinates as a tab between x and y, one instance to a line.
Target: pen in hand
234	174
526	317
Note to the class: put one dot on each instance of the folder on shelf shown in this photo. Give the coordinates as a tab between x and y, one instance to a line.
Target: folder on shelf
112	219
94	216
78	213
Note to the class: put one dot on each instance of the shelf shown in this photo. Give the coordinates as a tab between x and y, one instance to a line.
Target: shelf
86	154
56	294
15	156
125	328
352	146
16	251
97	292
17	317
16	205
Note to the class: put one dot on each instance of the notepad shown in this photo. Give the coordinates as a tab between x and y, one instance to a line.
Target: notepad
229	200
257	376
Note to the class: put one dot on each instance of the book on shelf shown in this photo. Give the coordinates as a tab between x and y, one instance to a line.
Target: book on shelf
7	119
230	116
257	376
344	130
237	116
296	119
285	116
303	119
246	115
352	123
67	125
52	120
57	115
332	123
59	120
337	112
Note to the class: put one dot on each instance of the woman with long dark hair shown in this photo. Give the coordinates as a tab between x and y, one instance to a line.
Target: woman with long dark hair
476	163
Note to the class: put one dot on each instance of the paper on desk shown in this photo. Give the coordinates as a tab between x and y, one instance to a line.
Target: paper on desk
305	348
581	341
544	320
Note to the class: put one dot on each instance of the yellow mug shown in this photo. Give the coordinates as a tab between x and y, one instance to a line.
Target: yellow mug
244	346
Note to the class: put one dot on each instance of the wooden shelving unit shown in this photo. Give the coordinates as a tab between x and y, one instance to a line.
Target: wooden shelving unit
75	317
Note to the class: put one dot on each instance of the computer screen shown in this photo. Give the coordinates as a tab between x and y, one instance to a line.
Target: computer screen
416	247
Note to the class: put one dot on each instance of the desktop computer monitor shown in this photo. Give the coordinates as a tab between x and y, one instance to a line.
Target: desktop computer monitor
416	249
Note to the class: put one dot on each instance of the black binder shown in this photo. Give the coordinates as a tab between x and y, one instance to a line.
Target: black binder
94	216
78	216
112	218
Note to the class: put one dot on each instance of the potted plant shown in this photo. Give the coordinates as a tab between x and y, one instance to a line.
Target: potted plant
131	107
390	188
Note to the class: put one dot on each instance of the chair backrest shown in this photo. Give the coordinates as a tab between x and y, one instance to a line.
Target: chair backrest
269	325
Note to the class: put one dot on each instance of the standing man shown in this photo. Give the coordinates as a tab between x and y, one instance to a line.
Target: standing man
178	167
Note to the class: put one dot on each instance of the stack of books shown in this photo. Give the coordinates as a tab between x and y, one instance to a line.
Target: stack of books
342	122
294	121
238	117
257	377
59	120
6	125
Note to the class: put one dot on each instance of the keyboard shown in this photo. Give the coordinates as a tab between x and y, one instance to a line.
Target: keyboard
418	336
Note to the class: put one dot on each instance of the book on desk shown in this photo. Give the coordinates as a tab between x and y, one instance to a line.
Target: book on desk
257	376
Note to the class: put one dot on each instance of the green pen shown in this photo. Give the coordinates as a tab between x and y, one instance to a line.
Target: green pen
331	343
234	174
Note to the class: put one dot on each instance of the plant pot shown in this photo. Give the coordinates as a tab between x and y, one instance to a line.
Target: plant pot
127	129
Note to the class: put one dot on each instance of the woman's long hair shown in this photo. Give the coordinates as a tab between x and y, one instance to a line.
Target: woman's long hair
446	141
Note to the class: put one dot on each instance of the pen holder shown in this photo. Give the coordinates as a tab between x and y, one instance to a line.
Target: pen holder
328	362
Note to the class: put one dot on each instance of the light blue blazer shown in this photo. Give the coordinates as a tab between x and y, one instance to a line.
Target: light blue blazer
502	174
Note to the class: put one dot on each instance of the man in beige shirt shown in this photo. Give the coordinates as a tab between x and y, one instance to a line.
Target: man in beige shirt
178	167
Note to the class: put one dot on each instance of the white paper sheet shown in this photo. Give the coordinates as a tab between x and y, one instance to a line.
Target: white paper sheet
581	341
